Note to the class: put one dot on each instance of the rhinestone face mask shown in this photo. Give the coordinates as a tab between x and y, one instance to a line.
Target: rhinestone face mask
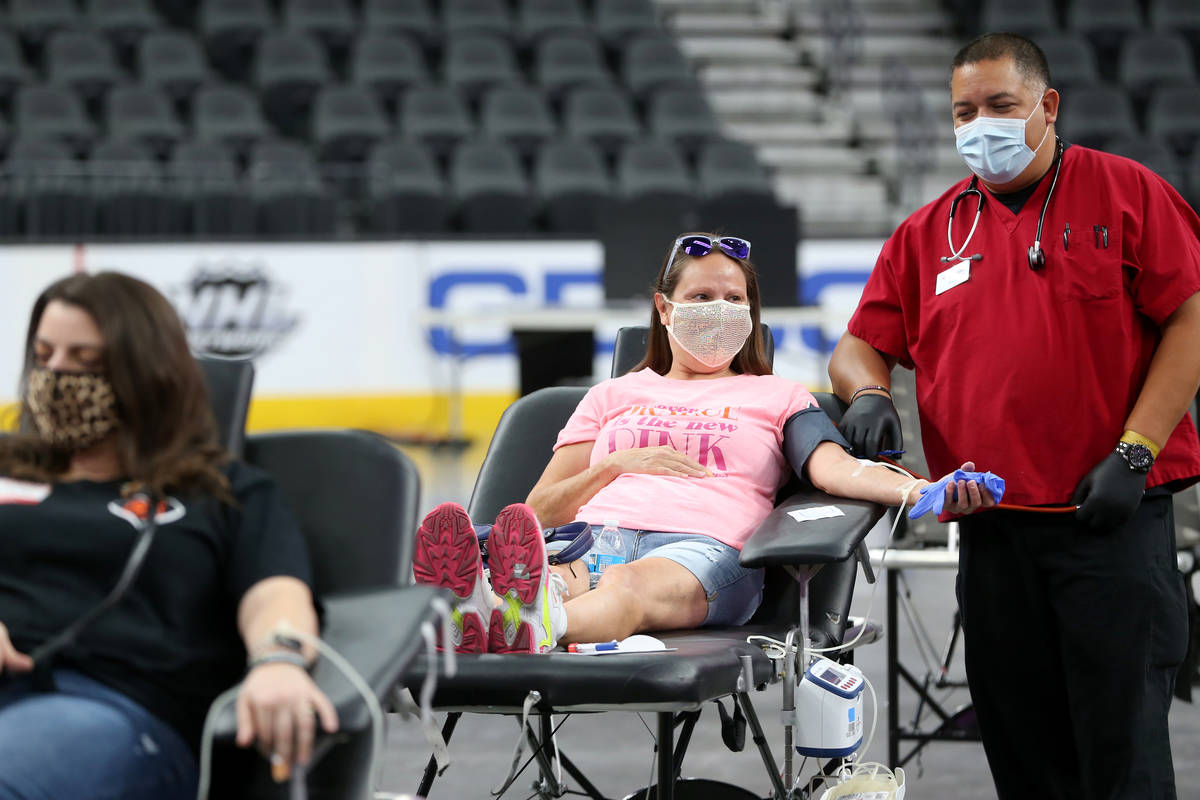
712	332
72	410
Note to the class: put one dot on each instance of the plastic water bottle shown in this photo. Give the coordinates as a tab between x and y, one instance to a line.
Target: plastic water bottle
607	548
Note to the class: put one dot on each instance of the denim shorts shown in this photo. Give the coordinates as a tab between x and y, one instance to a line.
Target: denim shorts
733	592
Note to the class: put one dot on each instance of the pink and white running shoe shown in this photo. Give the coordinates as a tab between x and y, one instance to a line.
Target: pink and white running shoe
531	618
447	555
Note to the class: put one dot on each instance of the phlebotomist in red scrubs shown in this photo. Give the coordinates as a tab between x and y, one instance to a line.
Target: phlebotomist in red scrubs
1048	305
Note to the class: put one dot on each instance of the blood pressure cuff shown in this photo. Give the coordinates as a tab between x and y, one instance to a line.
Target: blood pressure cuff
933	496
803	431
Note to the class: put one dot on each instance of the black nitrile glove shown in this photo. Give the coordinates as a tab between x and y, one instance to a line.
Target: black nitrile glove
871	424
1109	495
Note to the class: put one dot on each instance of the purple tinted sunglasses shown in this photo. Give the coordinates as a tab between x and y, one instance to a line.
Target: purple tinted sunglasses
697	246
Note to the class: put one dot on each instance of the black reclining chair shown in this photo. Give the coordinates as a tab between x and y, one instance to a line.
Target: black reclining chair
708	664
356	497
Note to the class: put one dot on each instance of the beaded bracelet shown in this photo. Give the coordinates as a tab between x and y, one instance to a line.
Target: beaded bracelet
862	389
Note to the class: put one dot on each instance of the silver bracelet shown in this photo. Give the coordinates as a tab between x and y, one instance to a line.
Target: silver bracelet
281	657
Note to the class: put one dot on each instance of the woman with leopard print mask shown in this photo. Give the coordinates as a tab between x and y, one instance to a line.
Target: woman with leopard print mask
114	403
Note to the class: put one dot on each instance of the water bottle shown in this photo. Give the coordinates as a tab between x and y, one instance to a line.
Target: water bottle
607	549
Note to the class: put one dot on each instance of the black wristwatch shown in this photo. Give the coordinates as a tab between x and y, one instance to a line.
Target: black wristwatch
1137	456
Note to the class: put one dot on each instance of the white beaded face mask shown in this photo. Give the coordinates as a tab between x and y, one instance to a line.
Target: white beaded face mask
712	332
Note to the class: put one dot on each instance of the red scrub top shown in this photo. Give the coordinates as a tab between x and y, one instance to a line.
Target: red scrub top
1033	374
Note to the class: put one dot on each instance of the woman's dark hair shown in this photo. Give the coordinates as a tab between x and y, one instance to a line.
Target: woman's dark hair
751	360
167	440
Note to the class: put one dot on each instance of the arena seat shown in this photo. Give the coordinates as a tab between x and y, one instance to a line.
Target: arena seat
436	117
683	116
1173	115
654	170
568	61
289	70
142	114
53	112
1072	60
476	16
619	20
476	61
81	60
411	17
230	29
172	61
1151	60
1106	24
347	121
229	115
389	63
124	22
654	62
47	184
601	114
128	192
406	190
205	177
730	170
517	115
1027	17
330	21
1091	115
572	185
290	197
35	20
490	189
540	18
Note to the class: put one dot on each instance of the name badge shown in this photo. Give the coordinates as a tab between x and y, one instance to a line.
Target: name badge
949	278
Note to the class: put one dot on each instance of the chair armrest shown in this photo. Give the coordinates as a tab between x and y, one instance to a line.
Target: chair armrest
781	540
378	632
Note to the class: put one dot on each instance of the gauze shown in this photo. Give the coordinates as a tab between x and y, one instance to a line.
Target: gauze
933	496
712	332
72	410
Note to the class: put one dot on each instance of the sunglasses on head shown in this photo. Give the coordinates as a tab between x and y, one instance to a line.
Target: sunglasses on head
697	246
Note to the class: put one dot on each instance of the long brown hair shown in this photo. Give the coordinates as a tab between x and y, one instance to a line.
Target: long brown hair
167	440
750	360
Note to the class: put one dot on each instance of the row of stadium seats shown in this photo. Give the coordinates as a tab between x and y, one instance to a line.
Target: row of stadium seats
1094	114
336	20
1099	19
387	61
1145	60
345	121
123	190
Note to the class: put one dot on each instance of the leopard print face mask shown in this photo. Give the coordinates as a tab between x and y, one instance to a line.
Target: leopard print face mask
72	410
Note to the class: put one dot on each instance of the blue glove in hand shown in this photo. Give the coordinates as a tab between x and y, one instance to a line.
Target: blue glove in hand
933	496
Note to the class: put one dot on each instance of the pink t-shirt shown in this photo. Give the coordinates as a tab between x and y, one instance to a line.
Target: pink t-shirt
733	426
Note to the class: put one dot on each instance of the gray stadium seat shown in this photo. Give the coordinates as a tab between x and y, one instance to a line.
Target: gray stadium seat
490	189
1153	154
55	113
517	115
572	186
124	22
434	116
1180	16
1173	116
619	20
412	17
683	116
473	62
49	186
654	170
389	63
34	20
288	71
1149	60
347	122
731	170
290	197
230	29
12	66
1091	115
142	114
565	62
1071	58
1106	23
331	21
229	115
407	193
654	62
1026	17
539	18
129	194
476	16
602	115
172	61
82	60
205	178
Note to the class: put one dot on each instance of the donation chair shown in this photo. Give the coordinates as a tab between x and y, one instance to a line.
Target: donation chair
810	573
356	499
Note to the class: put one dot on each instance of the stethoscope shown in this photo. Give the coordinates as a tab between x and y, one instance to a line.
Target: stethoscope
1037	256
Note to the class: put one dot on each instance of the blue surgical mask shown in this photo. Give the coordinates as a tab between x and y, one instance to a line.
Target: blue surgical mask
994	147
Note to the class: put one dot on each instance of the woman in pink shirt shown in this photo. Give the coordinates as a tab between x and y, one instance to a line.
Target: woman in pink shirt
685	453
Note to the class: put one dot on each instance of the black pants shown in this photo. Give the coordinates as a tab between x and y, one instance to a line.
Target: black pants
1072	639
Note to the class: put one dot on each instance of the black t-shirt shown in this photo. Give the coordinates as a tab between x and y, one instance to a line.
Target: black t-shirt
172	642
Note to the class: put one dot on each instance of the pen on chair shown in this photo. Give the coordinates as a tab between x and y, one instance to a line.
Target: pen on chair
593	647
1067	236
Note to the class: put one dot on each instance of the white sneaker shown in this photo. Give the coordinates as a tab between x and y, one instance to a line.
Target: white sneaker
447	555
531	617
